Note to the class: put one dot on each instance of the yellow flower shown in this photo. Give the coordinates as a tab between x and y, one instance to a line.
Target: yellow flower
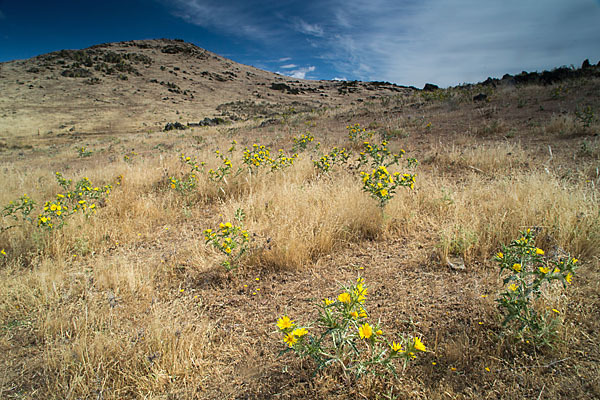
513	287
575	260
290	339
517	267
383	192
285	323
328	301
544	270
3	252
569	277
362	313
345	298
396	347
299	332
556	311
539	252
379	332
499	254
354	314
365	331
419	345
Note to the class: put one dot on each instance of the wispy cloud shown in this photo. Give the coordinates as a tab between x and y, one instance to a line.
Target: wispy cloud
229	17
309	29
288	66
284	59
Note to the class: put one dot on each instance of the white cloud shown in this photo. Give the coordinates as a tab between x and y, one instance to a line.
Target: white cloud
284	59
339	79
309	29
418	43
289	66
299	73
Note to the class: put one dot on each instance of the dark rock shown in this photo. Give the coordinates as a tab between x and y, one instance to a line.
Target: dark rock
480	97
430	87
285	88
208	122
586	64
174	126
77	73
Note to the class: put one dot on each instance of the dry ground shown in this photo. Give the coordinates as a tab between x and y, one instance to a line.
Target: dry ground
131	303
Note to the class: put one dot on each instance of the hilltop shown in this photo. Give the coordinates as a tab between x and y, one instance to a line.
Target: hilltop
140	85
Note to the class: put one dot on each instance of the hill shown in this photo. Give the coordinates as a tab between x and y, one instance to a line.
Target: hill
141	85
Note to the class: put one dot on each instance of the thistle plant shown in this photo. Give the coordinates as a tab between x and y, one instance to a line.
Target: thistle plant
189	181
83	152
335	156
231	240
260	156
382	185
301	142
17	210
343	336
376	155
357	134
528	274
81	198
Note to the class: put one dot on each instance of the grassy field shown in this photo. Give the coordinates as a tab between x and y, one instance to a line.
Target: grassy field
131	302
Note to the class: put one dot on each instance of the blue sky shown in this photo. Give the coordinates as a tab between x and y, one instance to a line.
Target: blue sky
408	42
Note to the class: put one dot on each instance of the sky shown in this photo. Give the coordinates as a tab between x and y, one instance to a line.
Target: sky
407	42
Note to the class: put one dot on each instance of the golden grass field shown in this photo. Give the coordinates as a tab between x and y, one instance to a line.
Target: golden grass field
131	302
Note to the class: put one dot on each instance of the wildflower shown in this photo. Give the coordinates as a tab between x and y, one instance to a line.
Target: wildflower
345	298
544	270
365	331
354	314
290	339
3	252
299	332
556	311
539	252
569	277
396	347
362	313
379	332
499	254
513	287
328	301
419	345
517	267
285	323
383	192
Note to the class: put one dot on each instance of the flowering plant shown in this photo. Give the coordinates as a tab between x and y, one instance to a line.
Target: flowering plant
231	240
343	336
530	272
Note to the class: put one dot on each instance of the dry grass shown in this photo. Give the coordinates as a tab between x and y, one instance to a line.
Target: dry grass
132	304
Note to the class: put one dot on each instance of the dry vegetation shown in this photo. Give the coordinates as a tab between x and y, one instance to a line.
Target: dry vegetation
131	302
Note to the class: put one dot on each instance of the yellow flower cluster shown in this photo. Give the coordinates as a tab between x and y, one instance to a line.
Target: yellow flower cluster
381	185
327	161
229	239
291	334
301	142
356	133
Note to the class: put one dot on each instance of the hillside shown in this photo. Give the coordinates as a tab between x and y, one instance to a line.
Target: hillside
140	85
144	263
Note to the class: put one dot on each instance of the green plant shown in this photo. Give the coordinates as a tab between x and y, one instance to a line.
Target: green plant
23	206
83	152
231	240
381	185
327	161
529	274
301	142
585	116
343	336
357	134
189	181
81	198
